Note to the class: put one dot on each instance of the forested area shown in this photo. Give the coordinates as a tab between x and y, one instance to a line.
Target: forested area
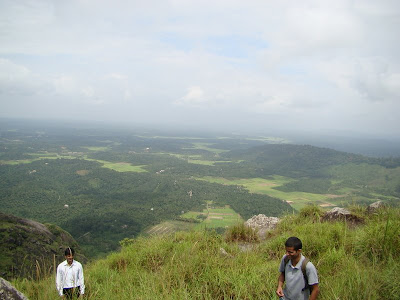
57	175
104	206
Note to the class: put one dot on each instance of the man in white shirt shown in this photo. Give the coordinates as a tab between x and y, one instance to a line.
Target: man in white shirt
69	279
298	272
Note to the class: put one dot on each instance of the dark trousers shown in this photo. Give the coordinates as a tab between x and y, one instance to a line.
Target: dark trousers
72	293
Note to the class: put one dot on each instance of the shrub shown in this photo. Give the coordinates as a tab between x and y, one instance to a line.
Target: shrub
312	212
241	233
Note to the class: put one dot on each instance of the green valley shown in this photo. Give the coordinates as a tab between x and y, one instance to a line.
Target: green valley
105	185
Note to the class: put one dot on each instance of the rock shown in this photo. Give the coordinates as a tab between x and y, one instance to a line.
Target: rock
372	208
8	292
36	244
245	247
224	253
262	224
338	213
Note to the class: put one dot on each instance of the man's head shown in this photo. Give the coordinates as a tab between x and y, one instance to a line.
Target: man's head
293	248
294	242
69	255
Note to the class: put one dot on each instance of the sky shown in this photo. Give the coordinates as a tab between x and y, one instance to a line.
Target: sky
252	65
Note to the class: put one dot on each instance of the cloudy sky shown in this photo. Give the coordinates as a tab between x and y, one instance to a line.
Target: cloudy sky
211	63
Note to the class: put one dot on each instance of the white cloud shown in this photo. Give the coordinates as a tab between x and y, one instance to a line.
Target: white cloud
193	96
116	76
295	60
65	84
88	91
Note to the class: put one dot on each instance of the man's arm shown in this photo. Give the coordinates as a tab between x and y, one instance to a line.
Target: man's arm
59	281
281	280
81	280
312	280
314	291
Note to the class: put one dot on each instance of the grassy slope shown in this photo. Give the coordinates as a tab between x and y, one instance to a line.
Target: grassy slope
353	263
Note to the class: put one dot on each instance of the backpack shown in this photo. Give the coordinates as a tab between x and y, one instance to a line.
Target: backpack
303	270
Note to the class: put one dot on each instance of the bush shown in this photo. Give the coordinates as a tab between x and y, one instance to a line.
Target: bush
312	212
241	233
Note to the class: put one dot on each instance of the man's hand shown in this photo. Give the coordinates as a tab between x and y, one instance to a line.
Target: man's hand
281	280
279	291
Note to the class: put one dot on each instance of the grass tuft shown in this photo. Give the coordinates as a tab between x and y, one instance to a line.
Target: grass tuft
241	233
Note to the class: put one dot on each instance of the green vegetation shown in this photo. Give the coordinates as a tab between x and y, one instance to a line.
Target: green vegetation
220	217
354	263
120	166
96	149
120	183
211	217
105	206
206	146
27	246
273	188
241	233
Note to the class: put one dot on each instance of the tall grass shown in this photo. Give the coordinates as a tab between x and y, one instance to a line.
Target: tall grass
353	263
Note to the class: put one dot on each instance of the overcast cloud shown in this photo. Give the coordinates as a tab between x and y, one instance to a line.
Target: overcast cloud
230	64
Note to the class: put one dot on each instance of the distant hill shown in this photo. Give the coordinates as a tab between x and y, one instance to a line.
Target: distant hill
300	160
31	249
293	160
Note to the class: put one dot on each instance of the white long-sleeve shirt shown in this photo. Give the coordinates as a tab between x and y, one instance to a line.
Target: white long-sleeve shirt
70	276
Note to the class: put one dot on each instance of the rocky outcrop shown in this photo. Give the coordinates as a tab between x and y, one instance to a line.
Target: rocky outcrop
374	207
31	249
8	292
338	213
262	224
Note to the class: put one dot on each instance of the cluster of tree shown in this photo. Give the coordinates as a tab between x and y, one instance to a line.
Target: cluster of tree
101	206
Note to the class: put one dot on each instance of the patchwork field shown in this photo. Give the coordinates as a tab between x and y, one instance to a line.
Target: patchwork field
169	227
118	166
122	166
206	146
197	159
265	187
214	217
211	217
97	149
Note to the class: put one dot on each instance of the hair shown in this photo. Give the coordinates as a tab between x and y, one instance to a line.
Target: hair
294	242
69	251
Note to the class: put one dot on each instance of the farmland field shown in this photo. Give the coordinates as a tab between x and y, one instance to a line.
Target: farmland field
197	159
206	146
265	186
215	217
122	167
169	227
118	166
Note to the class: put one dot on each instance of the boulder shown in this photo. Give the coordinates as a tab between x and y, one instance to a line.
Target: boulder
8	292
338	213
26	245
262	224
372	208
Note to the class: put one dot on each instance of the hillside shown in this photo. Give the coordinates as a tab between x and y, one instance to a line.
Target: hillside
28	247
299	160
354	261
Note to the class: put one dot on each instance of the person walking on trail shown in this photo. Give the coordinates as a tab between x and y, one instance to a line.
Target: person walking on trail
69	279
299	274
